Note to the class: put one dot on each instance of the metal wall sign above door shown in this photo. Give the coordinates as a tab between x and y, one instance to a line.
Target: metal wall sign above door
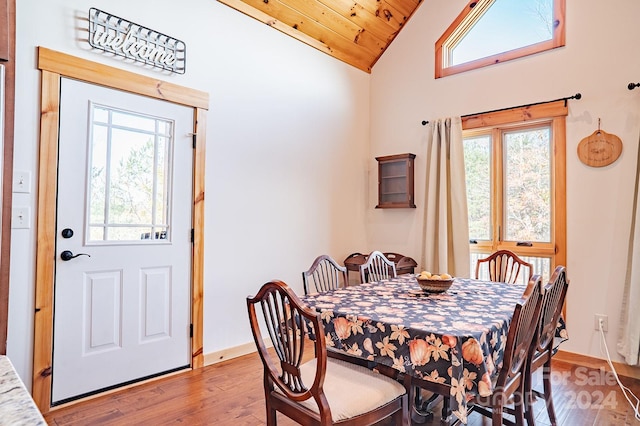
124	38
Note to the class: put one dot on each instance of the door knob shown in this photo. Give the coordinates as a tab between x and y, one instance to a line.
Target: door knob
68	255
67	233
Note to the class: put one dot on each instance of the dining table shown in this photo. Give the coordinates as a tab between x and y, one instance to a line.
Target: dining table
455	338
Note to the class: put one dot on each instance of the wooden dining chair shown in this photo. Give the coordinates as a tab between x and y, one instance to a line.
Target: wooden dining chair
503	266
301	382
542	347
377	268
509	382
324	274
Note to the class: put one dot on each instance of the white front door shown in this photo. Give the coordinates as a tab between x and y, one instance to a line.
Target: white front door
123	240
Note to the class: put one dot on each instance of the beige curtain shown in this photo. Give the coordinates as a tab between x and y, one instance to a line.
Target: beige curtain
629	336
445	246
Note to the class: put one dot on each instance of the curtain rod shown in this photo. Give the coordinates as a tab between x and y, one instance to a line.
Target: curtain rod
576	96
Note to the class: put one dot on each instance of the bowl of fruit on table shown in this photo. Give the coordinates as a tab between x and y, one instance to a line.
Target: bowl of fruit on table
434	283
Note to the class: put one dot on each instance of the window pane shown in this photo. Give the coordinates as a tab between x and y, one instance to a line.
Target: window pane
100	115
98	172
477	162
527	185
131	182
96	233
162	174
505	26
165	128
128	233
134	121
129	176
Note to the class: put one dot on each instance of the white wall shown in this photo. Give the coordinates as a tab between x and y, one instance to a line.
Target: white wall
599	60
287	142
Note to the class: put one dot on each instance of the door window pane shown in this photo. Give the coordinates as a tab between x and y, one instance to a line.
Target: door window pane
98	174
477	162
527	185
134	121
129	178
100	115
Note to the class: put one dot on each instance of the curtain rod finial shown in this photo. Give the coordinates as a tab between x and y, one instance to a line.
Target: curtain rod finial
632	86
578	95
425	122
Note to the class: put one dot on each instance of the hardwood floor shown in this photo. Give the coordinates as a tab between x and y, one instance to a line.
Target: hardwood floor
230	393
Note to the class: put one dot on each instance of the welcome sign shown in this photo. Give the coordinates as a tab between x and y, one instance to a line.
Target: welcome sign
120	37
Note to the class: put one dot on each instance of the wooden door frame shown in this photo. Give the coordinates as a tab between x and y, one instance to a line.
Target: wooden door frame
55	65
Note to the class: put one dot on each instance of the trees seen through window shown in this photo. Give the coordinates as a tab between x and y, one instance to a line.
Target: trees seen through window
515	178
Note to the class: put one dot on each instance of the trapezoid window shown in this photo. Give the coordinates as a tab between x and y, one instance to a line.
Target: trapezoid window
494	31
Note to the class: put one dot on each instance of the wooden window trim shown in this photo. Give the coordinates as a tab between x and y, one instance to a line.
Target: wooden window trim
553	113
515	115
465	20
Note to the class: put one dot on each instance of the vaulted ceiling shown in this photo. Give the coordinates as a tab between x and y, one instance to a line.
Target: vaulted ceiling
354	31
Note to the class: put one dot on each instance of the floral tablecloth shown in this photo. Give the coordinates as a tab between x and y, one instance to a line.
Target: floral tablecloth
455	338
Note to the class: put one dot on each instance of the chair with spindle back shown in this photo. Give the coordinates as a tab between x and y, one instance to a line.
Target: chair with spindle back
542	347
307	386
510	381
377	268
324	274
504	266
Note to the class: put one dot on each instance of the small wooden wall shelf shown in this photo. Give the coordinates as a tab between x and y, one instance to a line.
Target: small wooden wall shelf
395	181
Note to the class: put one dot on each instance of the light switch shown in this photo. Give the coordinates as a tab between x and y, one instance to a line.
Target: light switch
22	181
20	217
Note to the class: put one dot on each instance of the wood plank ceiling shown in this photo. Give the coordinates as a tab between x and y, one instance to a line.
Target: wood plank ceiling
354	31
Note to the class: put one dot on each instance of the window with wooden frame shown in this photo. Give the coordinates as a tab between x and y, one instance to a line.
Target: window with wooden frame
492	31
516	184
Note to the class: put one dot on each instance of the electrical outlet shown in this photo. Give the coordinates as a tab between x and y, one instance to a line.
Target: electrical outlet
605	322
22	181
20	217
